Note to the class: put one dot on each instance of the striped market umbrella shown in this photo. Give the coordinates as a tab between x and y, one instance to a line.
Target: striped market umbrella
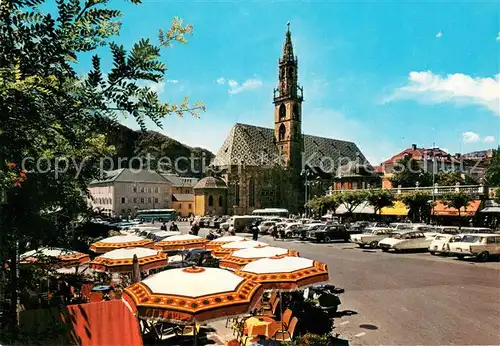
121	260
55	256
227	249
192	295
119	242
224	240
240	258
181	242
285	272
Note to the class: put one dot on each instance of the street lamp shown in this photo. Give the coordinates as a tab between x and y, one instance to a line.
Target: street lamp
306	173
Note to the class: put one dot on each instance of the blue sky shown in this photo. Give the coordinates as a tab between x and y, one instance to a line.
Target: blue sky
384	75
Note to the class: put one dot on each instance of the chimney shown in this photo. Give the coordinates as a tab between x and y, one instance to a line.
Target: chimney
414	146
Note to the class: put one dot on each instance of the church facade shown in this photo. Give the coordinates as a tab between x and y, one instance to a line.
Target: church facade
250	150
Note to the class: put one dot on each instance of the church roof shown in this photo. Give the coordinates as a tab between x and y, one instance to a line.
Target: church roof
255	146
211	183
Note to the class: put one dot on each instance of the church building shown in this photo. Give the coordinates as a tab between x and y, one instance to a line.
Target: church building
249	150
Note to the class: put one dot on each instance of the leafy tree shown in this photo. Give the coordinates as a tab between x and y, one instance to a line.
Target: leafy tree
452	178
352	199
457	200
418	204
496	198
492	174
52	114
321	205
408	172
380	198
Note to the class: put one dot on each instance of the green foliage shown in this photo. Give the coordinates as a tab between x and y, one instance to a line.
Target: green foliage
50	111
308	339
492	174
496	198
452	178
408	172
380	198
352	199
417	203
321	205
457	200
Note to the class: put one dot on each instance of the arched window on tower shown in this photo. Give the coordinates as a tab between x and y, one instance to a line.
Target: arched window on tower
282	132
220	201
282	111
251	192
295	111
210	201
237	194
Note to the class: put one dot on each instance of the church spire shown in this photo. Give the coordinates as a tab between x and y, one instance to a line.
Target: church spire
288	46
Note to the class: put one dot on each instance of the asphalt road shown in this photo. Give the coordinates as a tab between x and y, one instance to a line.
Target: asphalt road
409	299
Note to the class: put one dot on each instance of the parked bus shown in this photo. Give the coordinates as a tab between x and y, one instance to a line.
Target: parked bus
161	215
271	212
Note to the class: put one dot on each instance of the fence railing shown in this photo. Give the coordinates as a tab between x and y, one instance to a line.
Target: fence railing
436	190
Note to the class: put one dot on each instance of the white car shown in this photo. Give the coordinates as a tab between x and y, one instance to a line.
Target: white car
440	245
405	240
371	236
290	227
479	245
265	225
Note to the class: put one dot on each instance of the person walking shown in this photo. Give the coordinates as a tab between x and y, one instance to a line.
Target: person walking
255	231
163	226
174	227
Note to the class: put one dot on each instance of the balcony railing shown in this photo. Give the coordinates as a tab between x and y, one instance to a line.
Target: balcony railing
435	190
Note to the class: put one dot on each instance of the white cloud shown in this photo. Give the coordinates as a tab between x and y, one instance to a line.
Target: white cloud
173	81
489	139
470	137
232	83
158	87
458	88
236	88
498	36
439	34
221	80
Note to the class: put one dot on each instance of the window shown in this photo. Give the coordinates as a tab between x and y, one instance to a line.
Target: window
156	189
142	200
237	194
123	199
490	240
134	188
282	132
142	188
282	112
135	200
220	201
295	111
149	199
189	206
210	201
156	199
251	192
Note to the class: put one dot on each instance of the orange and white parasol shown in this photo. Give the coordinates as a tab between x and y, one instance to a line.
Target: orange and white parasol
224	240
121	260
189	295
181	242
285	272
229	248
120	242
56	256
240	258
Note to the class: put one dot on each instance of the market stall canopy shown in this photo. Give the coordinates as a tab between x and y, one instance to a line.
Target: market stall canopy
240	258
121	260
490	206
229	248
440	209
181	242
398	209
119	242
363	208
57	256
193	294
224	240
284	272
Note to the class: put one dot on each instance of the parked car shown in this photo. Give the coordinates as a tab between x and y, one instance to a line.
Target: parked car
440	245
479	245
265	225
405	240
328	233
371	236
194	257
289	228
302	231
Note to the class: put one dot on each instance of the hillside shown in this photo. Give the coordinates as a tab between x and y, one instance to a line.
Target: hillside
131	143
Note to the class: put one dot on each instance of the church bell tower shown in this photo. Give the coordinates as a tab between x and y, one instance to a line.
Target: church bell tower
288	107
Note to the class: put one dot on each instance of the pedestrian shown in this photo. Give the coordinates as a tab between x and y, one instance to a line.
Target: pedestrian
174	227
163	226
255	231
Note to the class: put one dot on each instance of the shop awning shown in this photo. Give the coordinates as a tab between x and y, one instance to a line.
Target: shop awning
398	209
490	206
440	209
363	208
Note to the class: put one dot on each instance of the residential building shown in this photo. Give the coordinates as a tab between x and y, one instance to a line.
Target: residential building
183	199
124	191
